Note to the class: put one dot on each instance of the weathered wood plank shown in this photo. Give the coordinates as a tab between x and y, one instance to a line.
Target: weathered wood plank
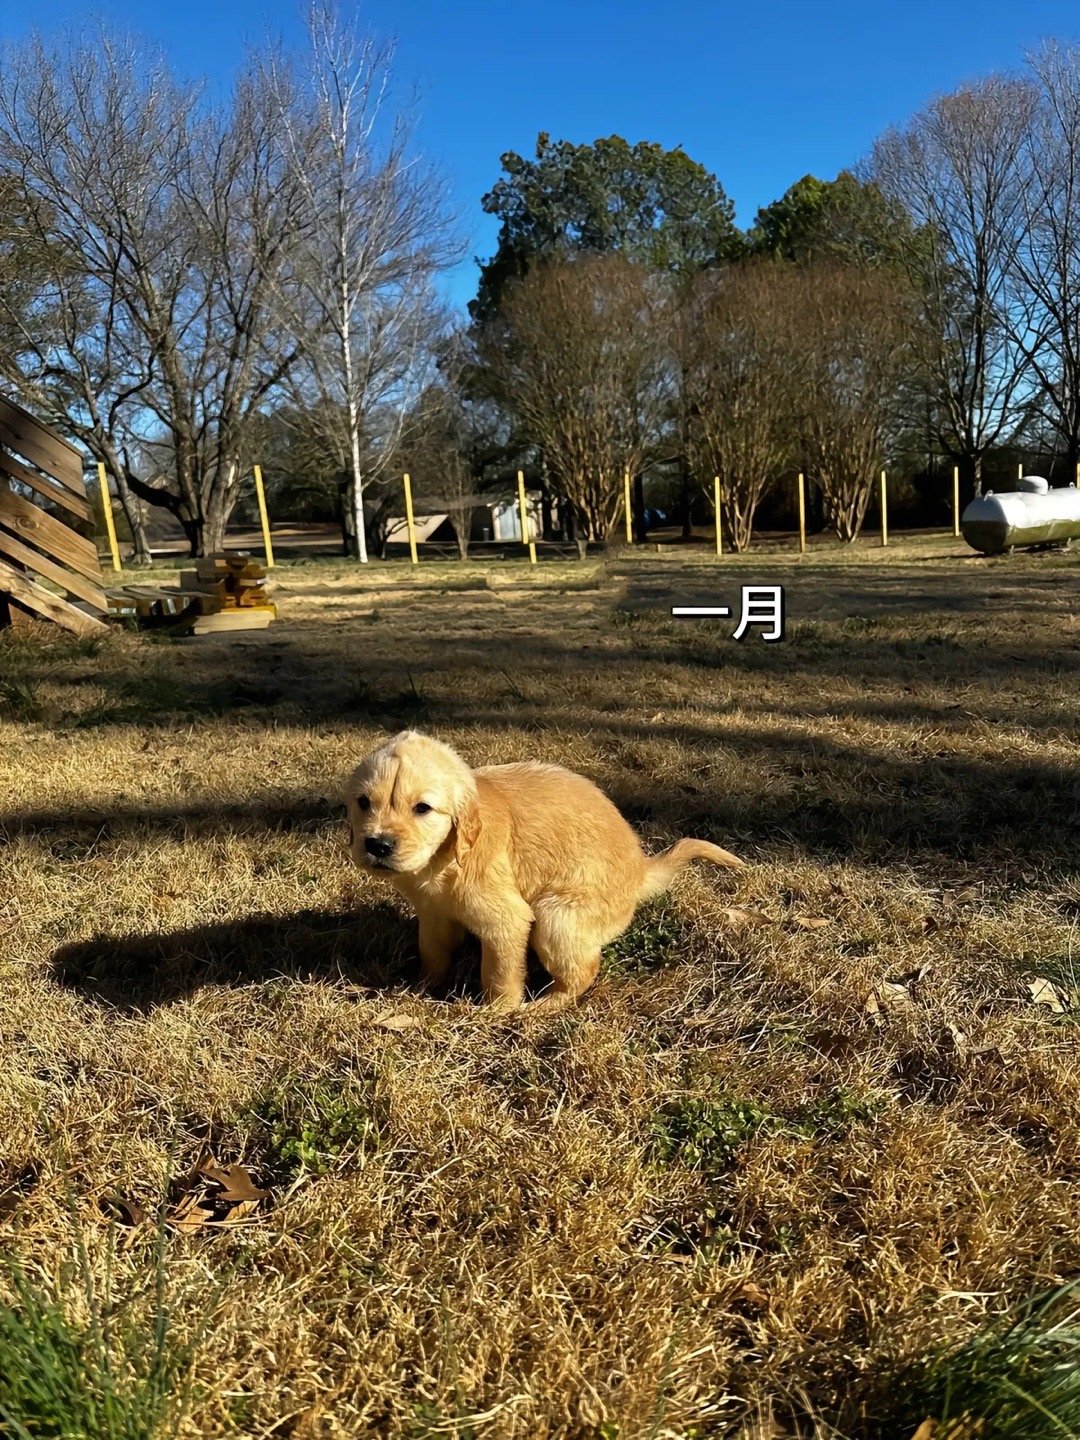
27	522
149	592
73	584
250	619
41	446
35	597
16	470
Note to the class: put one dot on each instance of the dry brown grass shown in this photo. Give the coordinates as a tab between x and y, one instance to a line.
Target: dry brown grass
499	1241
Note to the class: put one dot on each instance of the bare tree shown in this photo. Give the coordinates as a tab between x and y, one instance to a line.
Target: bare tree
376	234
578	356
957	167
173	223
446	451
850	333
736	367
1047	256
68	363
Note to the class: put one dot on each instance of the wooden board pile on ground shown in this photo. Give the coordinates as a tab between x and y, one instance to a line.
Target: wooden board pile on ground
223	592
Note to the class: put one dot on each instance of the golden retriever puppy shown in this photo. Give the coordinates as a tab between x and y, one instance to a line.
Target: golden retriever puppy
519	855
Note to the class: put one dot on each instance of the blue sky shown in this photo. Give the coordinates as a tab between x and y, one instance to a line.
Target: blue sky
761	93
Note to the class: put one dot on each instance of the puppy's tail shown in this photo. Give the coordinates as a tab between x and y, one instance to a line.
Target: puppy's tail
661	869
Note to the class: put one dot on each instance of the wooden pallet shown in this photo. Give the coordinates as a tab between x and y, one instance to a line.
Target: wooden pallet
38	468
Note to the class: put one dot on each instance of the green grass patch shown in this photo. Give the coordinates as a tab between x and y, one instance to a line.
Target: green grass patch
706	1134
1019	1380
119	1372
309	1128
19	701
657	938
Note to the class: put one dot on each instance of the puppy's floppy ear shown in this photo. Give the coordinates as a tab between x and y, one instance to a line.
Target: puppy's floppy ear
466	821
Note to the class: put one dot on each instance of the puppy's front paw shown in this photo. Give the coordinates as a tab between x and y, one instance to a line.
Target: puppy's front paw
550	1003
497	1005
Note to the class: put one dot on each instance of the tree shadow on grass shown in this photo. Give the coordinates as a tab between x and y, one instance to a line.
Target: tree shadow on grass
372	946
826	796
82	827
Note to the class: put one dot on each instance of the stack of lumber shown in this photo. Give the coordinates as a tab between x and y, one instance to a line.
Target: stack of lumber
230	592
223	592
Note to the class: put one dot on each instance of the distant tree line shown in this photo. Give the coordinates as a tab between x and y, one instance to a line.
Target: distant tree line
185	268
188	286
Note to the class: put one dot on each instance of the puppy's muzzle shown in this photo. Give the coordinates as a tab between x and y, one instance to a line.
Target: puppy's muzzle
379	848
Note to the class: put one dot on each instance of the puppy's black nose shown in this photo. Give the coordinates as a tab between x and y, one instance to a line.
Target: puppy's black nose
379	846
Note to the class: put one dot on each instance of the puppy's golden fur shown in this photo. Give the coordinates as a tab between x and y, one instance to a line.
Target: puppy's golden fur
520	855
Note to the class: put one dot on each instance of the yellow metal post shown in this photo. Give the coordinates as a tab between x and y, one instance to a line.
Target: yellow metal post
264	518
523	511
110	524
716	512
627	509
956	500
802	512
409	521
884	510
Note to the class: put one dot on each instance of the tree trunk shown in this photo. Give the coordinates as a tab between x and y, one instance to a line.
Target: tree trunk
574	530
210	535
640	526
343	512
740	526
353	413
132	512
684	502
976	473
359	527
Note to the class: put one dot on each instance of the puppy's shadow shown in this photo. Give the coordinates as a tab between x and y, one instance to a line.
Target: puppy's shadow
373	946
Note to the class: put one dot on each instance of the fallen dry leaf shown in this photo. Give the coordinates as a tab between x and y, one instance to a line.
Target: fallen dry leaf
194	1218
235	1215
211	1195
1045	992
754	1296
396	1022
888	998
182	1206
235	1182
127	1212
952	1039
739	915
811	922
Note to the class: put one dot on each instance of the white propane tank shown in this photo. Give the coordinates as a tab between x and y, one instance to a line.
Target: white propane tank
1032	514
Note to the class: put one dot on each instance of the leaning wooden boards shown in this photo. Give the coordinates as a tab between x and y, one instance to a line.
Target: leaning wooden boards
38	468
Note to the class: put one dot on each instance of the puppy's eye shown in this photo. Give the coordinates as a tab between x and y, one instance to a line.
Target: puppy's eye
363	803
421	809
